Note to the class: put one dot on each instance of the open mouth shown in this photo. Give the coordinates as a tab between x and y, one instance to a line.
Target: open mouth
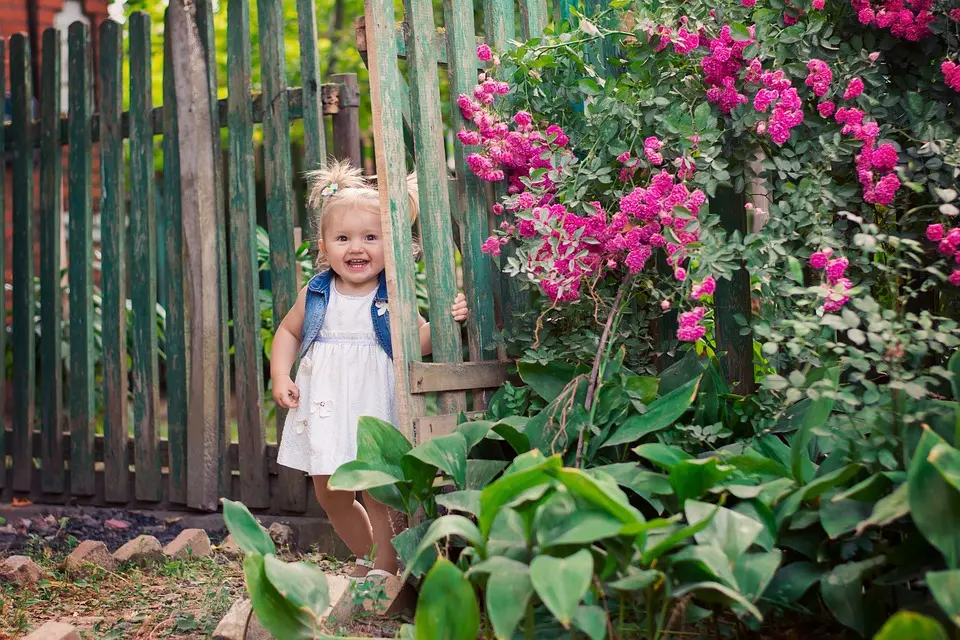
357	265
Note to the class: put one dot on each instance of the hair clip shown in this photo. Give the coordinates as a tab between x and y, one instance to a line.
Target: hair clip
329	190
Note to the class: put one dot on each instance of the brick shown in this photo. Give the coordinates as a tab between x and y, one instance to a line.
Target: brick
397	596
190	543
20	570
142	550
54	631
90	552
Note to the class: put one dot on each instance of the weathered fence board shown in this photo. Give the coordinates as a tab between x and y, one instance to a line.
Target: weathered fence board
112	275
254	488
24	357
81	261
143	280
435	216
280	212
346	122
3	292
51	196
175	337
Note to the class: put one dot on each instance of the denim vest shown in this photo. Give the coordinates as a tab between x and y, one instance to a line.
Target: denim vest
318	296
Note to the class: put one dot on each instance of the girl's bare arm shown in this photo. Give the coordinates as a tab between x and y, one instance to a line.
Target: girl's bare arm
286	342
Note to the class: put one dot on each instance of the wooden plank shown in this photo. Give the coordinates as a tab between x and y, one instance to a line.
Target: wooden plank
198	211
499	24
113	235
254	488
426	377
329	98
51	196
175	337
24	357
435	218
471	196
732	299
442	425
82	412
204	12
280	211
346	122
533	17
315	144
143	279
3	261
385	82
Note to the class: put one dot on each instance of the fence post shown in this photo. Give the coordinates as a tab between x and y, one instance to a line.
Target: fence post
24	358
732	300
198	210
113	234
51	196
346	121
81	263
3	267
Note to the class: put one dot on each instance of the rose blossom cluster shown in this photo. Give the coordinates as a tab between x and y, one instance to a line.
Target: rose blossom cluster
690	329
837	285
787	106
951	73
722	67
948	244
907	19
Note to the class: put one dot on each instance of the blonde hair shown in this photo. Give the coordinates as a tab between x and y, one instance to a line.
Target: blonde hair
340	186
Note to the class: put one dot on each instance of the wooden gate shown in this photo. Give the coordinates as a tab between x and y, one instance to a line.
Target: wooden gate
86	451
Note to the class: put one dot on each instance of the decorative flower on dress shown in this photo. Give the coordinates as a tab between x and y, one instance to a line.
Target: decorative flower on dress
382	307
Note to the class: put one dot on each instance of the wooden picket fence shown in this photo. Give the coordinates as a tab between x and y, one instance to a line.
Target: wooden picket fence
60	456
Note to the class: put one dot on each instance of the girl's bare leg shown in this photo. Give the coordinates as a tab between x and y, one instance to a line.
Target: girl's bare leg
386	524
348	517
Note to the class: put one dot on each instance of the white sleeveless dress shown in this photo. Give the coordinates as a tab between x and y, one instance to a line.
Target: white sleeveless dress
344	375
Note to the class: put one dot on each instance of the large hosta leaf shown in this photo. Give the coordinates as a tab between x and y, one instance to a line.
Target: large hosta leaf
662	413
447	608
842	592
945	587
278	616
792	581
548	380
562	582
912	625
733	532
447	453
508	591
248	533
302	584
934	502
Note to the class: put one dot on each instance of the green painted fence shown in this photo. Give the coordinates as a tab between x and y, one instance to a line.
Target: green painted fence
99	410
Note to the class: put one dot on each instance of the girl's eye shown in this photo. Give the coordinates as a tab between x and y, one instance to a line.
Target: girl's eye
341	238
371	238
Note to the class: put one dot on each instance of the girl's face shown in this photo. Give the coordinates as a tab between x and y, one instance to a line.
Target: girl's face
353	245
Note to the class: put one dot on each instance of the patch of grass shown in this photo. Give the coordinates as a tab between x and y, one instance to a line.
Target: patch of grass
172	599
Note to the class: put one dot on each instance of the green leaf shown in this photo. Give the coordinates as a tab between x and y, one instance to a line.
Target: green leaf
732	532
754	571
562	582
273	611
441	528
722	592
912	625
642	388
637	580
842	592
816	415
945	587
792	581
511	485
607	496
548	380
514	437
447	453
592	620
954	366
839	518
740	32
688	368
934	503
576	526
693	478
662	455
302	584
467	501
480	473
705	563
701	116
406	544
508	591
380	442
662	413
447	608
946	460
674	539
248	533
892	507
786	508
473	432
359	475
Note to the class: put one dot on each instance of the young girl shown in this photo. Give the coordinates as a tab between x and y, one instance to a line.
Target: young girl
340	329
